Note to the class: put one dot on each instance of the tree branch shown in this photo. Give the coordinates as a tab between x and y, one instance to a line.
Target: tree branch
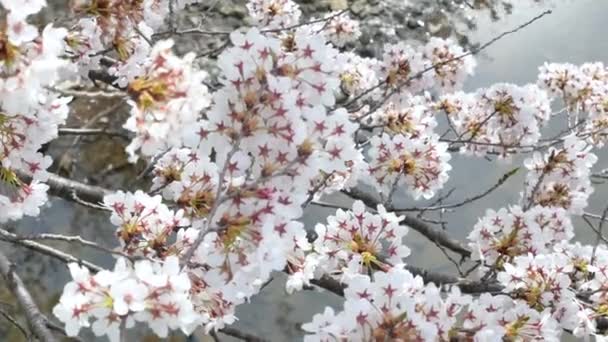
13	321
75	239
436	235
46	250
35	318
466	286
92	132
66	188
69	189
231	331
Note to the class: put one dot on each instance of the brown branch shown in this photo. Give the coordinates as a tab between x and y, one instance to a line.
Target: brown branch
437	235
472	287
92	132
14	322
233	332
69	189
35	318
105	77
75	239
46	250
599	234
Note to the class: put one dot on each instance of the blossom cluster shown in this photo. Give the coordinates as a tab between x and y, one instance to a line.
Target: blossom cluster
561	176
398	306
355	242
421	164
123	27
502	235
167	98
274	14
393	306
30	113
583	90
440	64
145	225
538	299
500	119
239	174
152	292
357	74
341	29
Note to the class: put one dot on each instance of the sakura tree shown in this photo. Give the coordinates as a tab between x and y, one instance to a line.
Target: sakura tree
288	115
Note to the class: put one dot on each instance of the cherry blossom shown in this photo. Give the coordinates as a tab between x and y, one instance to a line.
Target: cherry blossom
359	241
560	177
295	120
451	64
151	292
543	281
145	225
167	98
357	74
29	112
499	119
341	29
274	13
573	84
402	69
496	318
502	235
394	306
414	121
421	164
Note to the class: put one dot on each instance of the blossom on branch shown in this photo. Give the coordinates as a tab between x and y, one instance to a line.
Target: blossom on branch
419	164
30	113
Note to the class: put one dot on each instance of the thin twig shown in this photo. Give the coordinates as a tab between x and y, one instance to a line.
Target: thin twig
231	331
599	234
46	250
447	61
590	224
92	131
498	184
14	322
417	224
35	318
73	239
